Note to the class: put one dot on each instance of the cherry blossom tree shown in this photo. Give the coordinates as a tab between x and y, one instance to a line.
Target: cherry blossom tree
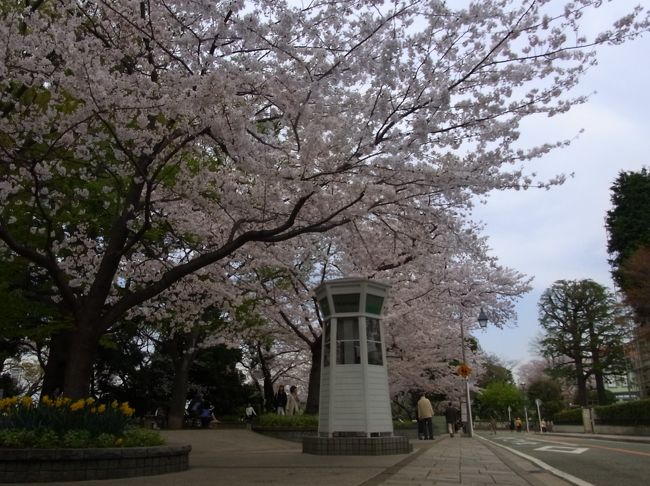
433	275
142	143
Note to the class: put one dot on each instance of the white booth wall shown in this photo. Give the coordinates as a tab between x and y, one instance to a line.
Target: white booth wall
354	395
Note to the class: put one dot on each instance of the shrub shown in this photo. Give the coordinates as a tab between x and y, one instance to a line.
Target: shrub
69	423
627	413
47	439
274	420
76	439
572	416
141	438
404	424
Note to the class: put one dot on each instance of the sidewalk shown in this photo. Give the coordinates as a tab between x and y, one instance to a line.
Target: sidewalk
464	461
237	457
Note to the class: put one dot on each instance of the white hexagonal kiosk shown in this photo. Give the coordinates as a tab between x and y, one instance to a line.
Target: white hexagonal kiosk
354	409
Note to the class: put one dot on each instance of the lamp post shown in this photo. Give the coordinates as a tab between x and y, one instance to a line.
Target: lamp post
482	320
538	402
523	387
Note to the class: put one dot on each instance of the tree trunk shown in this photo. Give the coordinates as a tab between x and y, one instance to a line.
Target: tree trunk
182	359
600	387
81	352
179	392
594	344
55	367
581	382
313	394
269	395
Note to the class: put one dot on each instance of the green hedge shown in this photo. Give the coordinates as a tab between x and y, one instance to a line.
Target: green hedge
626	413
275	420
572	416
404	424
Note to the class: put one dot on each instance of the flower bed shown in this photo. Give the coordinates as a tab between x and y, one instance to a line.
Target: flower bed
69	424
74	440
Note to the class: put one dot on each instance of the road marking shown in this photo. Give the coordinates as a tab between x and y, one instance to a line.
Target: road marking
615	449
542	464
566	450
625	451
517	441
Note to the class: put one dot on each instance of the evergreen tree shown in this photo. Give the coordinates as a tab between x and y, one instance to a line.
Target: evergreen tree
628	238
583	336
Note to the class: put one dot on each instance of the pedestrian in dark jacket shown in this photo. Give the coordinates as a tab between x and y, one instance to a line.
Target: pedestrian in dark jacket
451	417
281	401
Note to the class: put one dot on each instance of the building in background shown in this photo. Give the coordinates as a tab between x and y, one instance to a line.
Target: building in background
639	353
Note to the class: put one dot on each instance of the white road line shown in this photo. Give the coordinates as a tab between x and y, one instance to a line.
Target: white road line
561	474
566	450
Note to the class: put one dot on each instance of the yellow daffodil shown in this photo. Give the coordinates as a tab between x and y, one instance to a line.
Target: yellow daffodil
126	410
101	408
62	402
78	405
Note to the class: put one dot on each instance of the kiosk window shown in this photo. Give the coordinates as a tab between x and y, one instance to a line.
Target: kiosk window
347	341
373	335
346	302
326	346
374	304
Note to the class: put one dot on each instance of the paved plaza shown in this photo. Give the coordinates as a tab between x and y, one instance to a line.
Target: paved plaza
234	457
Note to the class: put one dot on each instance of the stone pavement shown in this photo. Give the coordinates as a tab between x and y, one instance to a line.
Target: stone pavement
464	461
239	457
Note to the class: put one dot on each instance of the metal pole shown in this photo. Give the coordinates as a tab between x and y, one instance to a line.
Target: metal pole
539	415
470	426
526	413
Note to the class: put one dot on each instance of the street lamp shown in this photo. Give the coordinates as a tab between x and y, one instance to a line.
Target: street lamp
482	321
523	387
538	402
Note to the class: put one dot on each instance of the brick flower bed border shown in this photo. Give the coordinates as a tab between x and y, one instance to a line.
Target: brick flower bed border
43	465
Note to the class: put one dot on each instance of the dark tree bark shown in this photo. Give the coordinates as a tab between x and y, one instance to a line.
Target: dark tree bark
182	358
54	372
267	378
313	393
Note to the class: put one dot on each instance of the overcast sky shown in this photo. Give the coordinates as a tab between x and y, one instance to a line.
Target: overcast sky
560	234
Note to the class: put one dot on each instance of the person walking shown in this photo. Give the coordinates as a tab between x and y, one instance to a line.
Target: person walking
493	424
425	415
518	424
206	415
293	402
281	401
451	417
250	414
194	409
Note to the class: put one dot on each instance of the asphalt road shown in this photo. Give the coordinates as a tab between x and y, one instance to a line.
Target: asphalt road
585	461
